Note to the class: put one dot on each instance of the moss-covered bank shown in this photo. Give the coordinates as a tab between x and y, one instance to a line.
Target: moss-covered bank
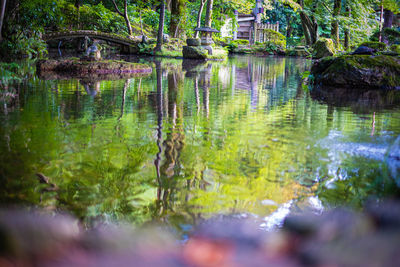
358	72
78	67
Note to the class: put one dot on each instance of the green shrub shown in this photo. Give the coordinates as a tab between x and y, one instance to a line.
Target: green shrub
232	46
379	46
24	46
222	41
271	47
395	48
240	42
389	34
275	37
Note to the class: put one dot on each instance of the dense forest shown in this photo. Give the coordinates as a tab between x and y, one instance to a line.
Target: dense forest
348	23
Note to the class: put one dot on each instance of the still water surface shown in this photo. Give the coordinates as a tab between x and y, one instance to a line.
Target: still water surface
193	140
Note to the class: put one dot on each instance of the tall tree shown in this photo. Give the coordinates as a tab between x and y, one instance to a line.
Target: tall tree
160	27
177	17
381	21
209	13
124	15
78	15
347	31
337	7
3	9
309	24
198	22
388	16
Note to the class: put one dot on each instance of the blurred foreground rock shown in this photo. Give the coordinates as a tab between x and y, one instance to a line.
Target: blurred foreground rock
334	238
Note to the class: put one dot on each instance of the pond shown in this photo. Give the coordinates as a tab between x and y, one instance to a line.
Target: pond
193	140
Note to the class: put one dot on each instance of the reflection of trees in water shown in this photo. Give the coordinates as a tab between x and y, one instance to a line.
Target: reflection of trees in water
267	75
174	183
169	169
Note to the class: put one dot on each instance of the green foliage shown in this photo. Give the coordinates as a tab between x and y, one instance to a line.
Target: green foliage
293	41
222	41
379	46
232	46
23	47
275	37
395	48
286	16
169	53
146	48
240	42
271	47
218	54
10	73
392	36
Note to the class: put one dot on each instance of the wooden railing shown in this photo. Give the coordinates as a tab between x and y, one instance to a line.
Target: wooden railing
260	35
264	26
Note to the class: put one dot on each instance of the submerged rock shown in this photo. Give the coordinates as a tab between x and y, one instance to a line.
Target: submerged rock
324	47
358	72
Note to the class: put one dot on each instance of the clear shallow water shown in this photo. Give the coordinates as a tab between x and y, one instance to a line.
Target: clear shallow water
194	140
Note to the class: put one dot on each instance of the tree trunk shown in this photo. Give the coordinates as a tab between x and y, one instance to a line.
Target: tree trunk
387	18
199	17
310	28
289	29
78	14
124	15
387	23
127	21
209	13
3	8
141	22
337	6
347	32
177	10
380	22
160	27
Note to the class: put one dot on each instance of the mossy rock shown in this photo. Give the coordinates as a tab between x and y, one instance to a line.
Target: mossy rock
75	66
301	51
358	71
378	46
193	41
194	52
324	47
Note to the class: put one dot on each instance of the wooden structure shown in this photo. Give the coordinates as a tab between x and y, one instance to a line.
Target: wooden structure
127	45
250	26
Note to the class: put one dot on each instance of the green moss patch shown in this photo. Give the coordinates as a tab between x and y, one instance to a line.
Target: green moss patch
324	47
358	71
379	46
76	66
395	48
